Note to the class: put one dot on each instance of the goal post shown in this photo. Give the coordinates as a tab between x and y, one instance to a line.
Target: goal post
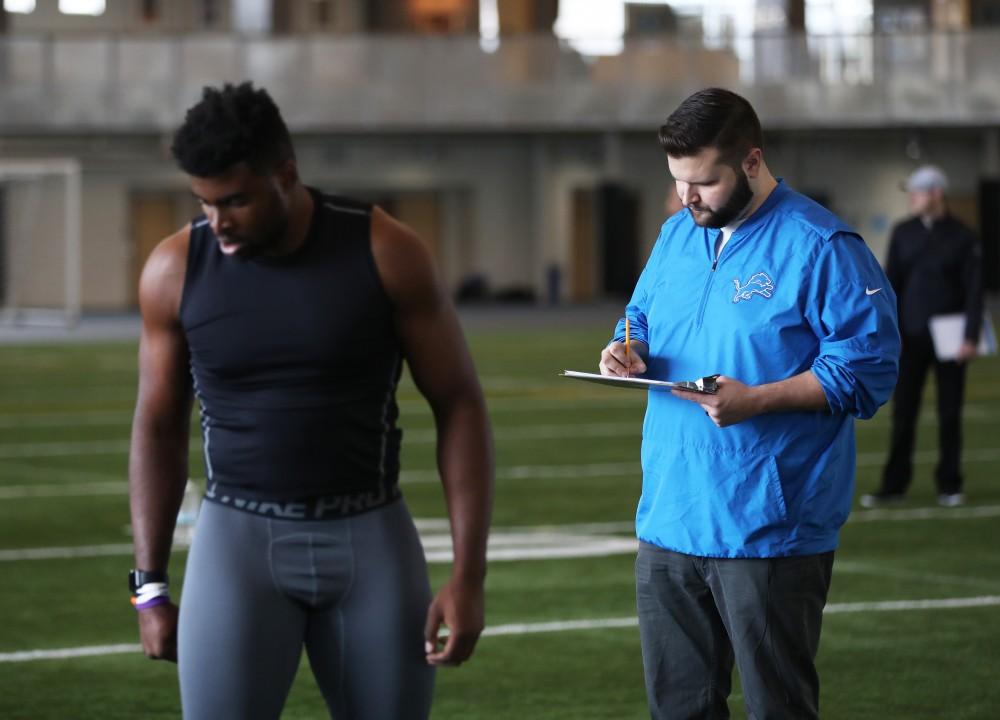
40	241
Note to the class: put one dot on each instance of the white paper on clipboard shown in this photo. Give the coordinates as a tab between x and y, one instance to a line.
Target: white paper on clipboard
704	385
948	334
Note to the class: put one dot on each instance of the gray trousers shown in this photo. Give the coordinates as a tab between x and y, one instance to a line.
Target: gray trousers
697	615
353	591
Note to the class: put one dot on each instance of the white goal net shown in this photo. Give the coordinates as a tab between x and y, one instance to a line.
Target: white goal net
40	239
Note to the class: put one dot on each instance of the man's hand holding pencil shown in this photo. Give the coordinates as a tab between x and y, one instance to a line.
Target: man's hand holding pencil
624	359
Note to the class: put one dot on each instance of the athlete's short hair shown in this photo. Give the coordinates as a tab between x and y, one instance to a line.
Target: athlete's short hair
234	124
714	118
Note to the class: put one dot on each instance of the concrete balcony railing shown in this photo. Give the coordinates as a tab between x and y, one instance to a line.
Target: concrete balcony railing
385	83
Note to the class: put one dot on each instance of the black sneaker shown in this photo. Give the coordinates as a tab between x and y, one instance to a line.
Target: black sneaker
881	499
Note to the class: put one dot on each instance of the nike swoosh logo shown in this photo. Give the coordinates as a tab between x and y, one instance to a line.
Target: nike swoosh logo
871	292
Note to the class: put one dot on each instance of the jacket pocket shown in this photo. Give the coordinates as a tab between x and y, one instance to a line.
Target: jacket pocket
712	501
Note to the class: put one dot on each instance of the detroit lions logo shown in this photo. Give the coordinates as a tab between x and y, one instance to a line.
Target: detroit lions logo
758	283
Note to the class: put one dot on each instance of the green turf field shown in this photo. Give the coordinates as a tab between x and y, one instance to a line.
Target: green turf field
567	483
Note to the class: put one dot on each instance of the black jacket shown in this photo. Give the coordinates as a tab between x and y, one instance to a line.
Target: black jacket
935	271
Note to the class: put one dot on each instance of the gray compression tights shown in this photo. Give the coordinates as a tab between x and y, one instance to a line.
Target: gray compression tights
353	591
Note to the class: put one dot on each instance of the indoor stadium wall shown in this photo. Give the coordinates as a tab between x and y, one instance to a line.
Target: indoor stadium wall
507	199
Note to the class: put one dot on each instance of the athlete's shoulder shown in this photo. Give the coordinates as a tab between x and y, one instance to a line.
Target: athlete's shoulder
404	262
341	204
162	279
394	242
170	254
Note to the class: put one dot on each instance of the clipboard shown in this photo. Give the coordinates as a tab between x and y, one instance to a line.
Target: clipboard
948	334
705	385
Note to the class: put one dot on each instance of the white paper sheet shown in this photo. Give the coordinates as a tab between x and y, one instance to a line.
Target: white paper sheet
948	334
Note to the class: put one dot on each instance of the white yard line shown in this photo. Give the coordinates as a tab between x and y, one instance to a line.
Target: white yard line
66	653
548	627
560	626
897	605
590	547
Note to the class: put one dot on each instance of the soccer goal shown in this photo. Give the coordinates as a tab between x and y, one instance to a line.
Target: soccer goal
40	239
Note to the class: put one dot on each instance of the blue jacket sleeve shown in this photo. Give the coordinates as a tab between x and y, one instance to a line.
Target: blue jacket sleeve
637	308
852	309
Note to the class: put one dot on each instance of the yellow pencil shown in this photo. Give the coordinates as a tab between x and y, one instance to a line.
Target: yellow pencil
628	342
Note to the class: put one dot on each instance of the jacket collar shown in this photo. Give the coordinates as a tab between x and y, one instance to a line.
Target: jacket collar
777	194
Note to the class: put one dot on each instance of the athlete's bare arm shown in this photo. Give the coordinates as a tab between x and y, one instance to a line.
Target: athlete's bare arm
442	369
158	459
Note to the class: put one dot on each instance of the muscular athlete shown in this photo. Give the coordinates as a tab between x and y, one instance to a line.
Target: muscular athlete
287	313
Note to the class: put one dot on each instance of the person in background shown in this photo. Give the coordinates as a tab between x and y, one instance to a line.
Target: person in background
744	491
934	267
289	313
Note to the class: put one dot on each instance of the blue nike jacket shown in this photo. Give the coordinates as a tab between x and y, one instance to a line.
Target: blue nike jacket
794	289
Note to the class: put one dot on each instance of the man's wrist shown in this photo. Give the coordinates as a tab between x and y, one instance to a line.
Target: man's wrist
761	399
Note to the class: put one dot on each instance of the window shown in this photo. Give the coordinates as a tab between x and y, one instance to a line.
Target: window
19	6
592	28
81	7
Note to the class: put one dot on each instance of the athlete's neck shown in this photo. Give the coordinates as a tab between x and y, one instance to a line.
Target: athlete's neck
300	212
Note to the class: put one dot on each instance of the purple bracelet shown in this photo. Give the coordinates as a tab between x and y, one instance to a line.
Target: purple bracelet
158	600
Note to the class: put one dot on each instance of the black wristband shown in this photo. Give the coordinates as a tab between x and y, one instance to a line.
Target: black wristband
138	578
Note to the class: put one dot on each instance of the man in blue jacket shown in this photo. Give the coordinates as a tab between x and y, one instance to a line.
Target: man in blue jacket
744	491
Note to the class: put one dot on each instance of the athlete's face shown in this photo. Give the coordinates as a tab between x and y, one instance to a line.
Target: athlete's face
248	212
712	191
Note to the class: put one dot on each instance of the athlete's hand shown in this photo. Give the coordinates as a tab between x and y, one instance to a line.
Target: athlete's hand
614	361
158	631
733	403
460	606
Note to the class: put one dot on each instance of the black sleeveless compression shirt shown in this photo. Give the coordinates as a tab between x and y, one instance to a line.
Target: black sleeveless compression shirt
295	363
